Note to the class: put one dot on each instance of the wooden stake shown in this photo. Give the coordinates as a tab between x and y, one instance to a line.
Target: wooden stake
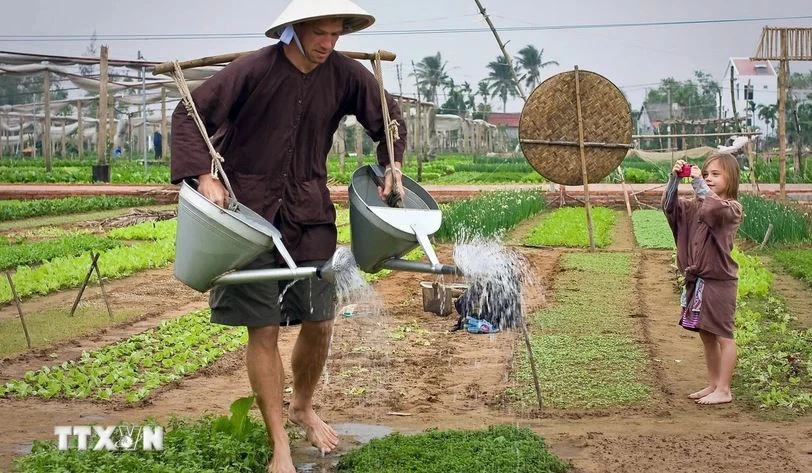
80	140
359	144
101	137
767	236
533	369
752	164
583	161
419	128
165	67
164	140
93	258
625	192
504	51
101	285
63	142
19	309
46	134
736	125
782	121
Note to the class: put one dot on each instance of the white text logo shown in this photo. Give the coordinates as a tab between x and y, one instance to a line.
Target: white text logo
113	438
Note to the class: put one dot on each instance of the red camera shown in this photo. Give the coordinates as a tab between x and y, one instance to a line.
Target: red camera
685	171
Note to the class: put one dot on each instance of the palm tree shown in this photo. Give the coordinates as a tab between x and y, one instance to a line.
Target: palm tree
482	90
531	60
431	74
768	113
500	80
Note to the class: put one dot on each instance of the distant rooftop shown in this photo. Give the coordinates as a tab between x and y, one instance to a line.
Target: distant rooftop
746	67
510	120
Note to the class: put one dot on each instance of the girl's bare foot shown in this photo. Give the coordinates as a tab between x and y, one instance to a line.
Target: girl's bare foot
716	397
702	393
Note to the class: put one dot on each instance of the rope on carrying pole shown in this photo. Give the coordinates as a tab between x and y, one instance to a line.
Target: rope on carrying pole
390	128
392	133
189	104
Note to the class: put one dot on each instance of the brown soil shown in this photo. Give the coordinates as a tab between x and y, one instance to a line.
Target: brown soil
796	294
623	233
405	370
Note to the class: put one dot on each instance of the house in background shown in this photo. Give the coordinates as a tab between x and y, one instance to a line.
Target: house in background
508	121
653	115
754	83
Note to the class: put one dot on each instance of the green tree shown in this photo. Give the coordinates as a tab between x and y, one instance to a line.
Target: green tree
431	75
799	80
531	60
769	114
697	99
483	90
18	89
500	80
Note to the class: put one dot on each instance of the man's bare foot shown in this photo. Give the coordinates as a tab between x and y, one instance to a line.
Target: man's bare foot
281	462
702	393
716	397
321	435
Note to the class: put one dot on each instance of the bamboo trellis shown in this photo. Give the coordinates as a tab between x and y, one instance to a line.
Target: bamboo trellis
783	45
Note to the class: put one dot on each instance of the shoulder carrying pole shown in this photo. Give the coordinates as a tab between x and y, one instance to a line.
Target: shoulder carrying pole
165	67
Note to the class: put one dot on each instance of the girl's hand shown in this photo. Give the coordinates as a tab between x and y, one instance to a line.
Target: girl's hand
696	173
677	166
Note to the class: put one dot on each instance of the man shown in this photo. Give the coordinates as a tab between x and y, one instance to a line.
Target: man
157	144
272	114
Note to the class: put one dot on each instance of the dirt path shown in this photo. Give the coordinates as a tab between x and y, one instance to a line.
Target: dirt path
796	293
515	237
405	361
622	233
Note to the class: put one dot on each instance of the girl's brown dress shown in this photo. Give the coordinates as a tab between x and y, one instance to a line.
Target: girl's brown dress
704	231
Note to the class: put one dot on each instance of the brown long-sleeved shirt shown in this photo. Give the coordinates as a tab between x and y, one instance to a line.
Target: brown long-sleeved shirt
274	126
704	232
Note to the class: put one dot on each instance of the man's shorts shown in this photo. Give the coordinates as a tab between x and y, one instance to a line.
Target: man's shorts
257	304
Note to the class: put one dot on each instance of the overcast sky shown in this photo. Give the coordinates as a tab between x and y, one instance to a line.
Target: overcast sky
634	58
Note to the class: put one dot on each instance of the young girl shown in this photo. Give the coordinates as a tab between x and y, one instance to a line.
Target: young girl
704	229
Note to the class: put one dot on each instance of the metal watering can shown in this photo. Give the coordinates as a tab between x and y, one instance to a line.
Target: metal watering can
381	235
212	243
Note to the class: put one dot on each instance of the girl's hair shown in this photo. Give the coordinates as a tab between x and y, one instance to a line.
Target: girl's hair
730	168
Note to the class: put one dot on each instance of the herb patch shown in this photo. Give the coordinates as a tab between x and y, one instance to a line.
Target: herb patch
584	343
499	449
567	227
651	229
489	214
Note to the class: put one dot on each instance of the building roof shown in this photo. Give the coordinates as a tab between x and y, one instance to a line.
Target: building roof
745	67
510	120
658	112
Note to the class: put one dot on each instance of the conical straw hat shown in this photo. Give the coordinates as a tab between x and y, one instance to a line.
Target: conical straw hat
297	11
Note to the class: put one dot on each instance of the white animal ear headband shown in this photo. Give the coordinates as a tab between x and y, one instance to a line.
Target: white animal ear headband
735	147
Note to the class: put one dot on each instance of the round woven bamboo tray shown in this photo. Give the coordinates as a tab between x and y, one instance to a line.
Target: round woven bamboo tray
548	128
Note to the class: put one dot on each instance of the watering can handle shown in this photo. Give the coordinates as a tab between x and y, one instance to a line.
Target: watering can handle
378	173
231	201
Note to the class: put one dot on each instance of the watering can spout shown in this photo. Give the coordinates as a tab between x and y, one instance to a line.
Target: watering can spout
398	264
327	272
